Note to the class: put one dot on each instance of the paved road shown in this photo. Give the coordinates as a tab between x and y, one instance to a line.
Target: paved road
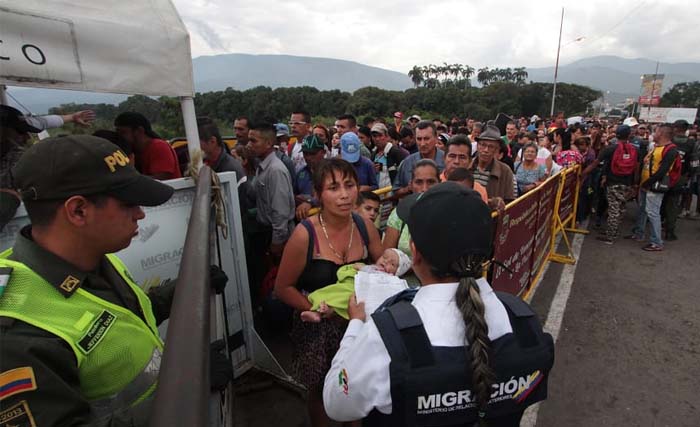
628	351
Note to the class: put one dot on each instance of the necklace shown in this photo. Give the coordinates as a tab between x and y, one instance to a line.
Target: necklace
330	245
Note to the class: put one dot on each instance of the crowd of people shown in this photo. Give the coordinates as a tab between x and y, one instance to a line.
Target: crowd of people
335	167
445	178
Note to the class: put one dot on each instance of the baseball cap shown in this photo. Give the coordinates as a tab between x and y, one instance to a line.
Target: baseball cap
14	119
630	121
350	147
65	166
681	124
311	144
398	115
444	138
465	225
380	127
135	120
623	131
414	117
282	129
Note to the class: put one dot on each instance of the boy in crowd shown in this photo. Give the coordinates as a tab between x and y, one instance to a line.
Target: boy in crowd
367	205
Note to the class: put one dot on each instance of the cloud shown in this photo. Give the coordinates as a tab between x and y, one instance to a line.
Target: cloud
212	39
396	35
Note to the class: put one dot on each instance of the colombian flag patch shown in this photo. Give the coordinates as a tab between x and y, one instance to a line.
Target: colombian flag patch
17	381
532	381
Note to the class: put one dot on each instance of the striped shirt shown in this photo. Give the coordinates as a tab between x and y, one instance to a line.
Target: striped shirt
481	177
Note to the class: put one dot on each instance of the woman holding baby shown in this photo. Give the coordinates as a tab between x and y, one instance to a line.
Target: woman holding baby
318	247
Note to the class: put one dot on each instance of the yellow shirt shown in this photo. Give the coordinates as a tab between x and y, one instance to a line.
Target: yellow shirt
654	156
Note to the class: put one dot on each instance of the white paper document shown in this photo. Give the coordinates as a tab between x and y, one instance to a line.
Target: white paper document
374	288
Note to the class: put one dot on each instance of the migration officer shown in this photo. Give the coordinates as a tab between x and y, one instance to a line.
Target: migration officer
452	353
79	342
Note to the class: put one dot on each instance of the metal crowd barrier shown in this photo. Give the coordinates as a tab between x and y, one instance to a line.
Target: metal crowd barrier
183	392
527	230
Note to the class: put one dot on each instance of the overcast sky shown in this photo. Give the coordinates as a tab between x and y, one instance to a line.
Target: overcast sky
397	34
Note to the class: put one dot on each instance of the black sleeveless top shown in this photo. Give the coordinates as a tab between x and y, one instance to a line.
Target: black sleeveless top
318	272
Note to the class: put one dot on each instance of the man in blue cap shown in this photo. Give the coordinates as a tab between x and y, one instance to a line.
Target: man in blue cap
350	146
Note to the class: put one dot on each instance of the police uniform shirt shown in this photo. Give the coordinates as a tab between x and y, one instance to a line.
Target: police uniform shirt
50	357
358	380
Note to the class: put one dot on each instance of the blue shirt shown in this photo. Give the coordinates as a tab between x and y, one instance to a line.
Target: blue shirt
366	172
304	182
403	177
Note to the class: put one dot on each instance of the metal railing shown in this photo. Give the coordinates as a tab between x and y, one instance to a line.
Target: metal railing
183	392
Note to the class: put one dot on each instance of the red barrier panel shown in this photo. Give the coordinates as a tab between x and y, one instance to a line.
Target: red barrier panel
568	198
547	195
515	240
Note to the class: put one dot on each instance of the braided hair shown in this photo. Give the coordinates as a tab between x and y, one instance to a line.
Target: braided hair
468	298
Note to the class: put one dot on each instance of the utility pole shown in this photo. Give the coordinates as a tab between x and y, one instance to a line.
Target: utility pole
556	66
638	105
653	87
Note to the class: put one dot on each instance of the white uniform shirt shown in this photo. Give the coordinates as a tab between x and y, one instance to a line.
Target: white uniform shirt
358	380
49	121
298	157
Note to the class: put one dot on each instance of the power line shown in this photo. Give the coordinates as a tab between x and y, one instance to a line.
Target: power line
624	18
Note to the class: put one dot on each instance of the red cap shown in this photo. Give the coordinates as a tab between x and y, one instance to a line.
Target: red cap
398	115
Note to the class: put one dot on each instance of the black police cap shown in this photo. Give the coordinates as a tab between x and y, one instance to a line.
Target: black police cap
61	167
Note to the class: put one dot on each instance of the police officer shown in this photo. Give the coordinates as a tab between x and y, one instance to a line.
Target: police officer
79	342
459	353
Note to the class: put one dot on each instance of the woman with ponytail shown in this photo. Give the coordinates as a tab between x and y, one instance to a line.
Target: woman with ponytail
451	353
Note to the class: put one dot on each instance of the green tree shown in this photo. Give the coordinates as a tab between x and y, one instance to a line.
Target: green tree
686	94
416	75
170	123
453	96
484	76
467	72
374	102
145	105
520	75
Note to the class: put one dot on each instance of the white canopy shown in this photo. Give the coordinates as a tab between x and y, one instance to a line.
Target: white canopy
130	47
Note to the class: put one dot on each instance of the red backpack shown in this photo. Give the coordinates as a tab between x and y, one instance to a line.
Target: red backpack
624	160
674	174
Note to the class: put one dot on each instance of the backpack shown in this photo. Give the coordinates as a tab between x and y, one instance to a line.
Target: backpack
624	159
674	174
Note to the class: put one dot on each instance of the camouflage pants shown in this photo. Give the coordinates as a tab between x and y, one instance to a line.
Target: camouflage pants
617	196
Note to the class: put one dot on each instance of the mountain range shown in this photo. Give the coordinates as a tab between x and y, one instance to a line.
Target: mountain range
618	76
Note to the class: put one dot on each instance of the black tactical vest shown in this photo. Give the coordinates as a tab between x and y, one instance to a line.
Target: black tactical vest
432	386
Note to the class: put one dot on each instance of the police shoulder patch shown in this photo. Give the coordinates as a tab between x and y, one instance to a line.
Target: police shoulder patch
17	415
97	331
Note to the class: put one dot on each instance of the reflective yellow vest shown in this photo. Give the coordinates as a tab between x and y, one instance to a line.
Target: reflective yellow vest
118	355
